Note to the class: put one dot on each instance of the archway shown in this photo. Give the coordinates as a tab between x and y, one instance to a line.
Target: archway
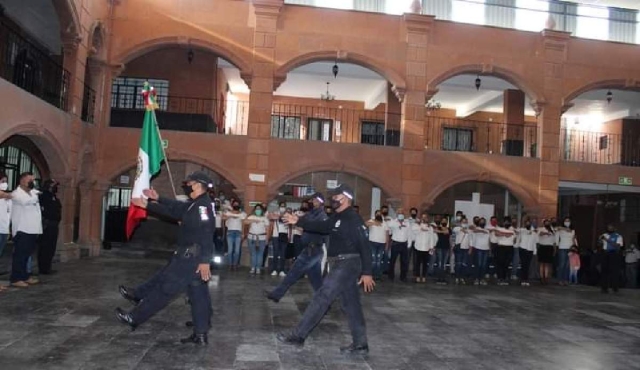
18	154
117	199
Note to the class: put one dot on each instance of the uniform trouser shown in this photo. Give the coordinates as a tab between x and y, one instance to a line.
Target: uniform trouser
297	245
279	252
421	266
463	262
341	281
399	249
23	245
308	262
3	242
504	255
481	258
47	243
525	263
176	277
563	265
611	266
632	275
377	253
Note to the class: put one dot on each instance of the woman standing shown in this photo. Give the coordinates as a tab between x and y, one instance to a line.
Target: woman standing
565	239
258	224
279	239
233	220
546	250
506	237
5	214
481	245
425	240
461	251
379	241
443	250
527	246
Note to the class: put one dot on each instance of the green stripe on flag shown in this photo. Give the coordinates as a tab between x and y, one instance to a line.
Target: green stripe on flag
150	142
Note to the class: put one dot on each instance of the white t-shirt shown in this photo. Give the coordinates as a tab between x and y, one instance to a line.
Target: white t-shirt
279	227
564	238
481	239
546	239
527	239
218	220
400	231
258	227
378	233
506	241
632	256
234	220
424	237
492	237
5	215
26	215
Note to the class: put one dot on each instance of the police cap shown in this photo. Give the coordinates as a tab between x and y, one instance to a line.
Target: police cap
201	177
343	189
318	196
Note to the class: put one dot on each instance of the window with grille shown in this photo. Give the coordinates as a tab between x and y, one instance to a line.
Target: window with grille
284	127
603	142
457	139
126	92
14	161
372	133
320	129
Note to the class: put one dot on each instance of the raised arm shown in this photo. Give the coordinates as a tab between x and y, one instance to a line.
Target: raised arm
168	207
319	227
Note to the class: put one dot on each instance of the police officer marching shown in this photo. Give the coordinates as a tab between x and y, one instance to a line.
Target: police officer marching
349	258
188	269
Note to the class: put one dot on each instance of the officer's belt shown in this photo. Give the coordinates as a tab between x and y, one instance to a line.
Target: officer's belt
188	251
342	257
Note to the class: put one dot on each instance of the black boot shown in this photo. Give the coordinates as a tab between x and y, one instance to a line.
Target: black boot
127	294
125	318
269	295
290	339
198	339
353	349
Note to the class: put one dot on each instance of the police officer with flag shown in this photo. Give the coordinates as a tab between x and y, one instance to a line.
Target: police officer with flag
188	269
349	259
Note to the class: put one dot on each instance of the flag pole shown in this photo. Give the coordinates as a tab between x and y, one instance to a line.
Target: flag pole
164	153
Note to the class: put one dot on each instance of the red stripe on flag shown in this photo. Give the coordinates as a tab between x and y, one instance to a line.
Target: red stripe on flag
134	216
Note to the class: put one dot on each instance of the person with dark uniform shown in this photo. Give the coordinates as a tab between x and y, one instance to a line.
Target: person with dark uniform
51	216
349	259
309	260
188	269
612	245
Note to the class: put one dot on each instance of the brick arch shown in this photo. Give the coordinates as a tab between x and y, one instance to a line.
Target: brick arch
528	201
178	156
487	70
614	83
387	188
395	78
51	149
221	48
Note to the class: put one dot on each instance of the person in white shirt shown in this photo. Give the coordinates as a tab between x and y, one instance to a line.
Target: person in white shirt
233	220
480	243
505	239
258	225
565	239
280	235
400	238
218	235
26	225
546	250
379	240
631	257
527	246
424	239
461	250
5	214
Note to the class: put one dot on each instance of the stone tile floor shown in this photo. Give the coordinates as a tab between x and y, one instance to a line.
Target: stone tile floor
67	323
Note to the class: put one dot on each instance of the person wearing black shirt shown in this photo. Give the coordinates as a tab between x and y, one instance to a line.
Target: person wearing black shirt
443	249
349	258
189	267
51	216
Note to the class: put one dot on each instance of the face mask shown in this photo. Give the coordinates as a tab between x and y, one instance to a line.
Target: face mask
385	213
379	218
458	218
465	225
507	224
547	225
400	217
527	226
311	205
258	212
554	224
282	209
443	224
31	185
222	197
414	215
4	186
610	231
335	204
236	207
304	209
567	224
188	189
54	189
482	224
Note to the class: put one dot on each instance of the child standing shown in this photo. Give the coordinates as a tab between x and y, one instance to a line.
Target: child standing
574	265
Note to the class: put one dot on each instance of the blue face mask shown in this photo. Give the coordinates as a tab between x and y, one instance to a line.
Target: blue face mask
258	212
400	217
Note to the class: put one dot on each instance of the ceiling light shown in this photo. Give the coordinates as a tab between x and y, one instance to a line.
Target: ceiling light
335	70
609	96
433	105
327	96
478	83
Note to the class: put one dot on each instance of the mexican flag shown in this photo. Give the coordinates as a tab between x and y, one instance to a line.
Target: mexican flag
150	157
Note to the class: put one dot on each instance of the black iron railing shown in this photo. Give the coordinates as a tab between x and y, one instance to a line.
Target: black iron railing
182	113
453	134
26	66
88	104
600	147
332	122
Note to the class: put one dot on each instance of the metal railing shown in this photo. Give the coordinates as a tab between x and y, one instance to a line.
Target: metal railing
26	66
334	122
88	104
464	135
182	113
599	147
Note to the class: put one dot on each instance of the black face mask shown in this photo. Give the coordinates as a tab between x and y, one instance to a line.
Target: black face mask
414	215
379	218
335	204
610	231
527	226
385	213
236	207
482	224
31	185
304	209
188	189
507	224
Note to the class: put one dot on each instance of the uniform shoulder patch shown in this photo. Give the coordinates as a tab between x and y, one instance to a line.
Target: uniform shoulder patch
204	216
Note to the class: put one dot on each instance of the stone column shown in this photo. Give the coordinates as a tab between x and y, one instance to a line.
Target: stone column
413	107
554	52
261	98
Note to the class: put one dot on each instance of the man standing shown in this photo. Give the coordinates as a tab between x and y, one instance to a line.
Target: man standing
400	230
26	224
309	260
611	260
349	258
188	269
51	216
